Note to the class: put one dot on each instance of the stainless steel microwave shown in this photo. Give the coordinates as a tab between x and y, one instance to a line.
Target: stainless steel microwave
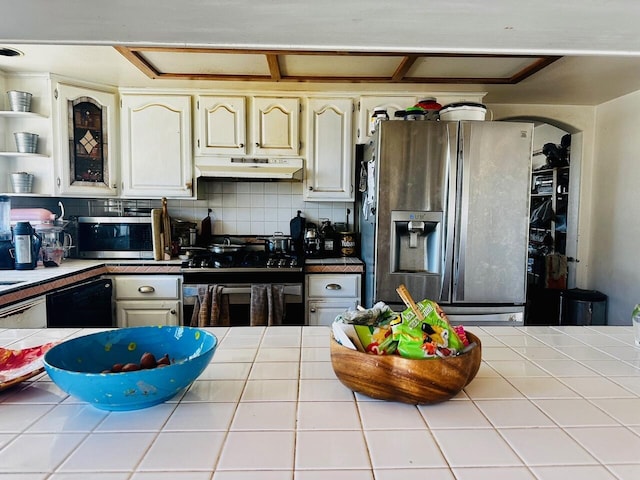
114	237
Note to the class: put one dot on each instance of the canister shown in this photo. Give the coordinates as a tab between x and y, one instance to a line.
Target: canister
378	116
348	244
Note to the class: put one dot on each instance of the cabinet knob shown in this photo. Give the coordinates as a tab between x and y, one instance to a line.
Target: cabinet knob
333	286
172	312
146	289
241	145
258	144
310	188
312	310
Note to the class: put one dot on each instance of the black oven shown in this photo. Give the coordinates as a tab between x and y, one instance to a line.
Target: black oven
114	237
237	275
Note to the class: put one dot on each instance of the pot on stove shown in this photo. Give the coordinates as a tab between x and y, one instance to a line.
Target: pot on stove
226	247
278	243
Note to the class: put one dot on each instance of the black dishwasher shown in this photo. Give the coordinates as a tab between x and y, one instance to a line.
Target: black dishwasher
83	305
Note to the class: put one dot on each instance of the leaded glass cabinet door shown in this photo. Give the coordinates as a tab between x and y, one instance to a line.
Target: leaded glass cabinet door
88	141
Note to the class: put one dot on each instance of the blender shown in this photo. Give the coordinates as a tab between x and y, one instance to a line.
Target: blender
7	261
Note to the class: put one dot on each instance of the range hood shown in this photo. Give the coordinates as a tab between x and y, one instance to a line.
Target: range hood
284	169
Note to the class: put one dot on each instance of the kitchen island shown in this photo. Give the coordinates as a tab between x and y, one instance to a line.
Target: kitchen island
547	403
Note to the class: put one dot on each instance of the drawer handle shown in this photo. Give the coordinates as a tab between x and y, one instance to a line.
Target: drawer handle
146	289
333	286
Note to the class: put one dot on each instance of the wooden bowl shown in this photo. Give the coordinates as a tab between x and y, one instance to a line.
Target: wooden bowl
392	377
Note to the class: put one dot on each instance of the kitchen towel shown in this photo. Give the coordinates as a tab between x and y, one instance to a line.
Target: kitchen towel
211	308
369	199
267	304
556	271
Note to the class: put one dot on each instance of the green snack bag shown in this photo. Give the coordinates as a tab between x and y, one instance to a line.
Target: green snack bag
428	338
377	340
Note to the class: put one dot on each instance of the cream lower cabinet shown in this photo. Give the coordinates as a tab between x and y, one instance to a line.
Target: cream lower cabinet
157	159
148	300
28	314
329	170
329	295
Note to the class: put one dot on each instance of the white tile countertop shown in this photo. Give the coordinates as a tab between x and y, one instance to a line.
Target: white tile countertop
548	403
17	279
43	274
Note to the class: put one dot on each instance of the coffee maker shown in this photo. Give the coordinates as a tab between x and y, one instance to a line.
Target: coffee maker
7	261
312	244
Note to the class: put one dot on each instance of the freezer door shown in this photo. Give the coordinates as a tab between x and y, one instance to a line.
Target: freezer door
494	172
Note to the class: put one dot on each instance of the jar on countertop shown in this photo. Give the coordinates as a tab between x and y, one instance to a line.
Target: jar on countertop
328	238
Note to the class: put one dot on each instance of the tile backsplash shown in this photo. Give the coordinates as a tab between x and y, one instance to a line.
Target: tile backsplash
238	208
256	208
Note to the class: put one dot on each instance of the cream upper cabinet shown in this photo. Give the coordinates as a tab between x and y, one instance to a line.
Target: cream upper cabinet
156	146
88	146
329	170
221	125
367	105
275	126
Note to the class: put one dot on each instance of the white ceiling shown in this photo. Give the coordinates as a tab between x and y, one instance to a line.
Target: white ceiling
599	39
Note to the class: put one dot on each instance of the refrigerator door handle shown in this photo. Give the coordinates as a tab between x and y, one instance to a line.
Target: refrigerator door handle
448	254
462	216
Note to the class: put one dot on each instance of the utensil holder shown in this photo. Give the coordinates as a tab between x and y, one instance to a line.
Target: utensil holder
19	101
26	142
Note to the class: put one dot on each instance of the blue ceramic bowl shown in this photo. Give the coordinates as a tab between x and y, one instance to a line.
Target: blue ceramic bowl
76	365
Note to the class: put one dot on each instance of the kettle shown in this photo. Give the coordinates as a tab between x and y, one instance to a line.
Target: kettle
27	246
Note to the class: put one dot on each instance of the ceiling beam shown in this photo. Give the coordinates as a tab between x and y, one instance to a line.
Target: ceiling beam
406	63
139	61
274	67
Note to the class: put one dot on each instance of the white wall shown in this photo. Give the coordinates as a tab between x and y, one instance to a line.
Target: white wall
615	236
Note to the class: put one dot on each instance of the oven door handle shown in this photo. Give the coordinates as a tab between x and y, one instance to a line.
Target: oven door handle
246	290
236	290
291	289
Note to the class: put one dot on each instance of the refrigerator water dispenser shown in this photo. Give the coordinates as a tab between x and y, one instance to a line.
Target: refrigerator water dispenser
416	242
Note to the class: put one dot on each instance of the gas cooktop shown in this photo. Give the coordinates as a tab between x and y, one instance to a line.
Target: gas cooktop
242	262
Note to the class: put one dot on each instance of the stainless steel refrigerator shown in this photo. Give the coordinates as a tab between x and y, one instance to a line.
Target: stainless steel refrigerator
445	211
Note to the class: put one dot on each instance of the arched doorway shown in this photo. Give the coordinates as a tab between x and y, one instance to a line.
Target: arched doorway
553	242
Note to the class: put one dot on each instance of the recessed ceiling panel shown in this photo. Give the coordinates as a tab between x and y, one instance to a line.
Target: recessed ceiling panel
338	65
469	67
207	63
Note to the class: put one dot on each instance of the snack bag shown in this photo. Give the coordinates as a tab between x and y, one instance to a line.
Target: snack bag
377	339
428	338
462	334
